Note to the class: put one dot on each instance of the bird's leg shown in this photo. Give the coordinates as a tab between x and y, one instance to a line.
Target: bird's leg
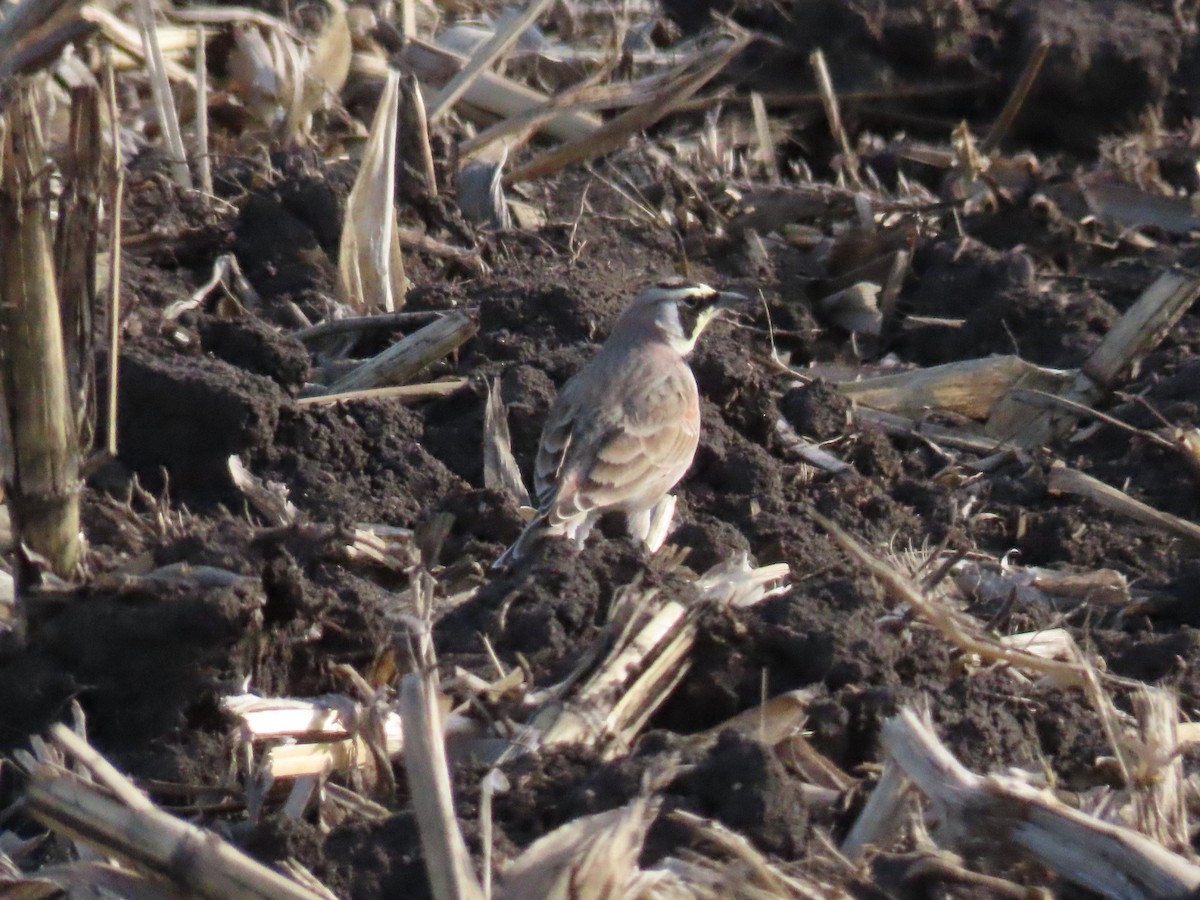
578	529
637	524
658	523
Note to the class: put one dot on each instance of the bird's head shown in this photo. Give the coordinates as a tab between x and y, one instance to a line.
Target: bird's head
678	310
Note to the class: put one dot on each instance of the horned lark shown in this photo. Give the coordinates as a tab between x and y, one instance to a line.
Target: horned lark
624	429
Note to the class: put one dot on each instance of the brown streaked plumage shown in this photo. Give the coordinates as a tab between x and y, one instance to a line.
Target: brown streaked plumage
624	429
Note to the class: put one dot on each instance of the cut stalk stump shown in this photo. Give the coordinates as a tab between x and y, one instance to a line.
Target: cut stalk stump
41	475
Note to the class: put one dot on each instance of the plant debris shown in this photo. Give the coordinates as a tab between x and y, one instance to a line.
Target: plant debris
925	620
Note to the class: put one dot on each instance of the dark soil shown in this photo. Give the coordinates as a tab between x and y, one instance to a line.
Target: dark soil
1108	61
149	661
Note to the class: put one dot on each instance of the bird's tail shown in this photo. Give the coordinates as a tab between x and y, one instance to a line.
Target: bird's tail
533	532
547	524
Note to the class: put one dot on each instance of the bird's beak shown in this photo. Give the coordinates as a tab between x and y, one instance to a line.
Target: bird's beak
729	305
727	300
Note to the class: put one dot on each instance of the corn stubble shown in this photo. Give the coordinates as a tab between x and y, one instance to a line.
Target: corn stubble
48	308
41	472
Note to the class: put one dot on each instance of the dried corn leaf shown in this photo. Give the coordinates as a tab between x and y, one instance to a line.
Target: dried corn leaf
781	209
1049	643
446	857
645	665
481	194
164	100
973	388
590	857
515	129
291	64
116	818
370	264
491	92
500	471
325	71
21	22
721	863
85	879
281	79
1033	585
465	38
770	723
269	498
252	73
1126	206
739	584
1108	859
1065	480
856	308
508	29
686	81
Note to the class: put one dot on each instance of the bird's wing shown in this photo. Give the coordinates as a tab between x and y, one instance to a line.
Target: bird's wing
640	442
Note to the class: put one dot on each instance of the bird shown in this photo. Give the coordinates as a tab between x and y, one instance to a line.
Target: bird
624	429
